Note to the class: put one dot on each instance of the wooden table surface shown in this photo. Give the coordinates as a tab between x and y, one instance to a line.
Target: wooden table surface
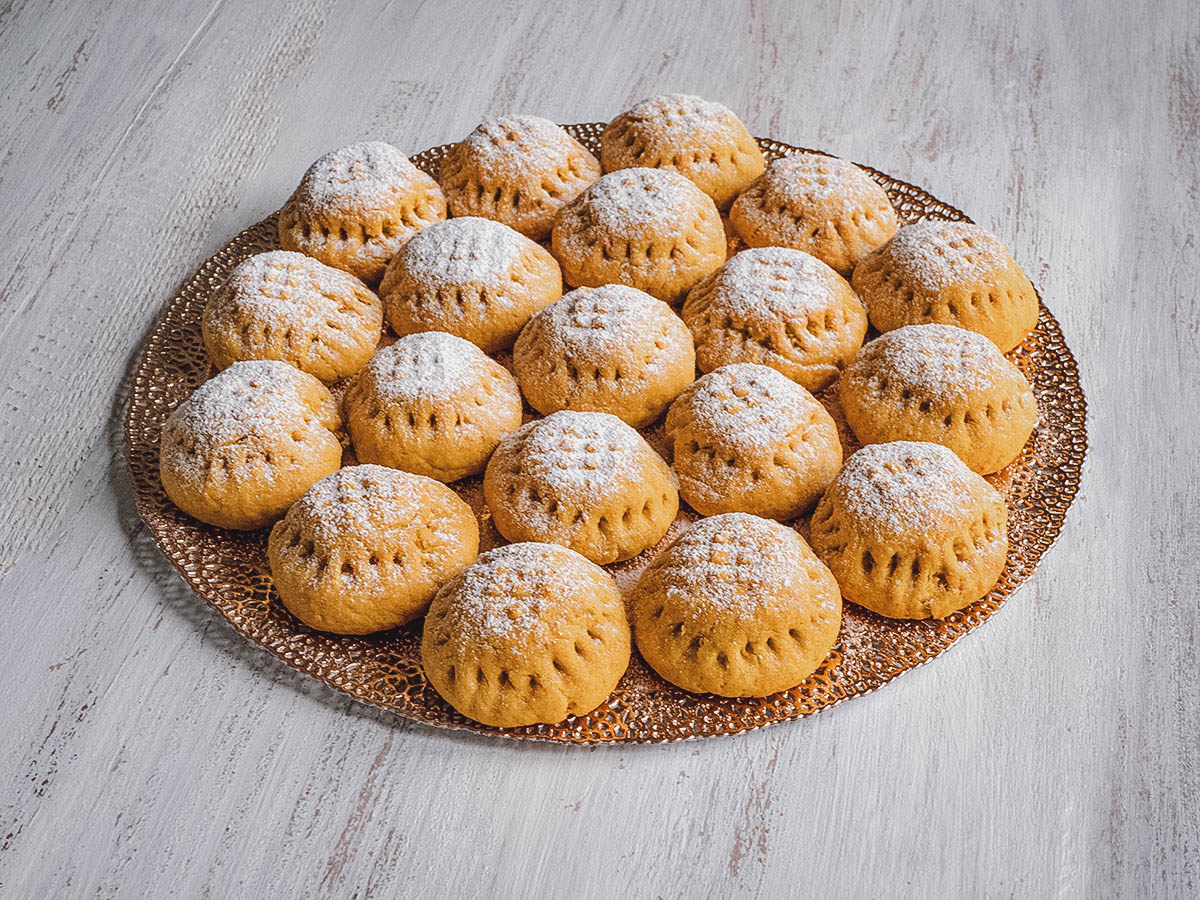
147	750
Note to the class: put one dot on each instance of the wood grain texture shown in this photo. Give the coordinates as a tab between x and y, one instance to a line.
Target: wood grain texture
147	750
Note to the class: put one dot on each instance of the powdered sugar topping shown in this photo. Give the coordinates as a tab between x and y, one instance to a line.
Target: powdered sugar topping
638	199
685	119
430	367
358	179
463	250
809	182
940	362
512	148
597	324
768	282
936	254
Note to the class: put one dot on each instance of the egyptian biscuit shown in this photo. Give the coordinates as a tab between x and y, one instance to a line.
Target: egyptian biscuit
433	404
778	307
746	439
248	443
519	170
366	548
701	140
529	633
649	228
910	532
471	277
585	480
737	606
819	204
953	273
940	384
609	349
357	205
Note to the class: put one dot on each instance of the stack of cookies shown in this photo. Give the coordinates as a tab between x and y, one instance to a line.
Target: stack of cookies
531	317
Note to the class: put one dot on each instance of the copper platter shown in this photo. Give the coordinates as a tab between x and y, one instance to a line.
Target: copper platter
229	569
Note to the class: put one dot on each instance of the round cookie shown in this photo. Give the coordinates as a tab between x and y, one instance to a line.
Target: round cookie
471	277
910	532
433	404
701	140
584	480
819	204
290	307
944	385
778	307
519	170
366	548
609	349
529	633
737	606
649	228
357	205
248	443
953	273
746	439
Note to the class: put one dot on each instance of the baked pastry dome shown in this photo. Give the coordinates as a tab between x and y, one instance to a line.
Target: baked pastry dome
778	307
290	307
701	140
940	384
746	439
649	228
819	204
609	349
433	404
954	273
584	480
471	277
529	633
357	205
737	606
366	548
910	532
519	170
248	443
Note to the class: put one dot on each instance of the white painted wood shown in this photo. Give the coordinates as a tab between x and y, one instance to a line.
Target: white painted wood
147	750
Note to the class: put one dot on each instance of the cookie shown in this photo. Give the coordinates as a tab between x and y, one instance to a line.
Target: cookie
433	404
910	532
738	606
651	229
940	384
952	273
519	170
366	548
248	443
778	307
357	205
290	307
747	439
470	277
529	633
584	480
609	349
701	140
819	204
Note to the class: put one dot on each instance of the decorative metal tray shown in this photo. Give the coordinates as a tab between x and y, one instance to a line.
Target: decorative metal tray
229	569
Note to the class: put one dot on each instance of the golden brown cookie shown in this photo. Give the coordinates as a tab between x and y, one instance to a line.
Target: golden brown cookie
366	548
778	307
248	443
529	633
701	140
356	205
649	228
737	606
953	273
819	204
471	277
433	404
940	384
585	480
290	307
609	349
519	170
910	532
746	439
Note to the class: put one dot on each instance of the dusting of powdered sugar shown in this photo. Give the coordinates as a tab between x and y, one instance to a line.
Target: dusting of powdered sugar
936	254
810	183
430	367
462	250
684	120
635	200
770	282
516	148
938	361
357	180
